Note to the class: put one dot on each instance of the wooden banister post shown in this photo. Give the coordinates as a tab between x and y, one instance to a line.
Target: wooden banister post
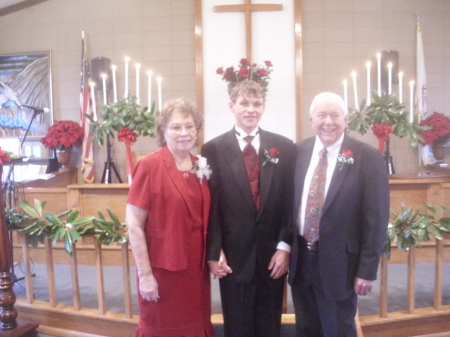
8	313
9	326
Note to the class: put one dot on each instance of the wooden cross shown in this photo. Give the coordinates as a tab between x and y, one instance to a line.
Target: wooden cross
248	8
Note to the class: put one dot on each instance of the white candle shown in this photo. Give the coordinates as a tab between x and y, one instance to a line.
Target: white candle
94	110
355	91
345	93
127	59
368	65
389	78
400	88
411	101
105	98
138	68
114	82
159	79
149	75
379	73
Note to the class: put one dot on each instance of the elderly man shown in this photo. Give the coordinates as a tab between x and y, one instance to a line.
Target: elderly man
341	208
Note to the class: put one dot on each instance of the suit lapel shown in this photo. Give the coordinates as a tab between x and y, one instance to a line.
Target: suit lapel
301	167
236	164
338	177
266	172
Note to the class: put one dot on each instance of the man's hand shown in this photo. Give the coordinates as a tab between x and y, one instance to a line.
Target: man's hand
219	268
148	288
363	287
279	263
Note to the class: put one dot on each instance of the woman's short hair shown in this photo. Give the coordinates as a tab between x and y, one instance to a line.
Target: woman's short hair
247	88
180	105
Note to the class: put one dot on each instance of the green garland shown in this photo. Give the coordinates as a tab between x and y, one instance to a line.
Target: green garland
30	220
410	227
386	109
123	113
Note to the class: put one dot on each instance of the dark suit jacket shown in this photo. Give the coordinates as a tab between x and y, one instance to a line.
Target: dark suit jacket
354	219
159	187
249	237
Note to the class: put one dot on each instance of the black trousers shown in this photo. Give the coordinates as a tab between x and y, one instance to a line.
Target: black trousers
315	314
252	309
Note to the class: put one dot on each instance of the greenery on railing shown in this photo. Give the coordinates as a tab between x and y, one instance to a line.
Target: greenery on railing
30	220
412	226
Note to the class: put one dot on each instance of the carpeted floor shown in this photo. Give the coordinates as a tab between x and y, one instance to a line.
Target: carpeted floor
368	305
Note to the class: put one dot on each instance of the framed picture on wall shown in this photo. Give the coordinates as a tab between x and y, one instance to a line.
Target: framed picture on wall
25	80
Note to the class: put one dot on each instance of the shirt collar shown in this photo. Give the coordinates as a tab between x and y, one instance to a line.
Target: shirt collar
332	150
241	133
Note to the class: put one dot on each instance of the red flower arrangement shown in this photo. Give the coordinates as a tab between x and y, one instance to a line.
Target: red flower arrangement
246	71
440	127
62	135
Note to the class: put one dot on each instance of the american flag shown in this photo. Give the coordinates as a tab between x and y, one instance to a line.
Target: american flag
87	155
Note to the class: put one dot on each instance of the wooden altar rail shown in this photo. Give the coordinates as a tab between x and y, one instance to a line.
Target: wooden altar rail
412	191
51	315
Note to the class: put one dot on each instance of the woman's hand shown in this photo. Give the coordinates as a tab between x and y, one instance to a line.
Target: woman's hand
148	287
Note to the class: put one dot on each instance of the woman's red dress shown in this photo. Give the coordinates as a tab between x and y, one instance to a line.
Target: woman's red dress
184	307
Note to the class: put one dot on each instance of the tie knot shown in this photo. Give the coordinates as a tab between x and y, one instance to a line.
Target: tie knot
323	153
249	139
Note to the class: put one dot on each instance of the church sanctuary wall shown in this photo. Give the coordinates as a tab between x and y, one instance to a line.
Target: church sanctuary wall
339	36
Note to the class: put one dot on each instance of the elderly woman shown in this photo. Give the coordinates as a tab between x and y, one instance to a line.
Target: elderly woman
167	216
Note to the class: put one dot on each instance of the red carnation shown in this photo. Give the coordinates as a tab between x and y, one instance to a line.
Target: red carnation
219	71
274	152
262	72
245	62
268	63
244	72
347	153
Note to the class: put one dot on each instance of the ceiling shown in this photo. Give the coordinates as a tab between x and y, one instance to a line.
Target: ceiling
11	6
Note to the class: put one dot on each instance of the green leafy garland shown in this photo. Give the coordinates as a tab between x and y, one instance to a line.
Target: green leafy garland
386	109
123	113
410	227
30	220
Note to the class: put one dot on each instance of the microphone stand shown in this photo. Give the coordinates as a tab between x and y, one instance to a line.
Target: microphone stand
9	199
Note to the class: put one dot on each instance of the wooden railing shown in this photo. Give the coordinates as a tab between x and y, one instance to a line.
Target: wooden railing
51	315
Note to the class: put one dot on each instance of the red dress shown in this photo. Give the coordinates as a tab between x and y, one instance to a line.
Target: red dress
184	307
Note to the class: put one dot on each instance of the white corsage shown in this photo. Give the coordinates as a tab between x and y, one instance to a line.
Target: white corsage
202	169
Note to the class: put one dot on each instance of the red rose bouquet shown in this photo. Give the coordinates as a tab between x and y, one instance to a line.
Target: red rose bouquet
247	71
62	135
440	128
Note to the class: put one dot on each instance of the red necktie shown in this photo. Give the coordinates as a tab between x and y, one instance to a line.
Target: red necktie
316	197
251	161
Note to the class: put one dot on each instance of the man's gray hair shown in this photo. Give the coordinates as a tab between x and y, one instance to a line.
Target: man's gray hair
328	96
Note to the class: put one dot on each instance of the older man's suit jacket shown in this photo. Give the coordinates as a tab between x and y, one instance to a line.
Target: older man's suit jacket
248	236
354	219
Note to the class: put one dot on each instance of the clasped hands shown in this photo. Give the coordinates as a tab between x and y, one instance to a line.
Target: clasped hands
279	265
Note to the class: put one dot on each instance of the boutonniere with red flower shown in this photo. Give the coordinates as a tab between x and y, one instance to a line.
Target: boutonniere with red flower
271	156
344	158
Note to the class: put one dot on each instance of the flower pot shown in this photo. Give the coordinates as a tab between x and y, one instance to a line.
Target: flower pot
63	156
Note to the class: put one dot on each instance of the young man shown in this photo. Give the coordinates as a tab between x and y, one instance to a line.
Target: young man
341	213
249	232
